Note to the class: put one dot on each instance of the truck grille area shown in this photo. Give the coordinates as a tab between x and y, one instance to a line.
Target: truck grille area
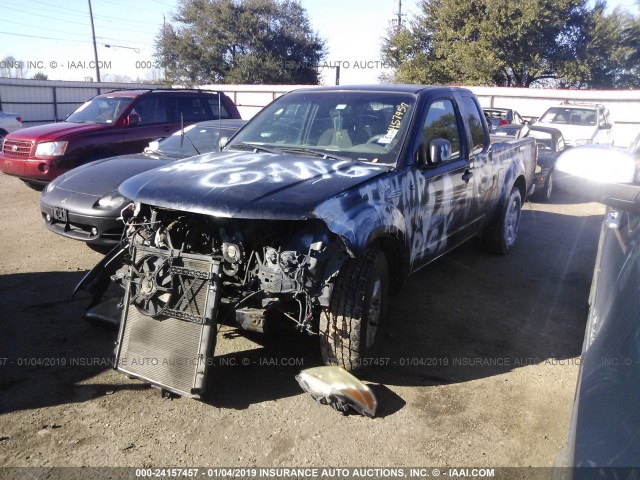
16	148
167	333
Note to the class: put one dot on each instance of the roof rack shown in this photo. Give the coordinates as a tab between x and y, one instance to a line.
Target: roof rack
166	89
585	104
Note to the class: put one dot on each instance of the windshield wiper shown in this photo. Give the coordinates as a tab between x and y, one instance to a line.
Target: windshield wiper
255	148
316	153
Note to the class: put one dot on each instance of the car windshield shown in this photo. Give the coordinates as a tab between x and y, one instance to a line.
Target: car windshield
544	140
100	110
569	116
359	125
197	140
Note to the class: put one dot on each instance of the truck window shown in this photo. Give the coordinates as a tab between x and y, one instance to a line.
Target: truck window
474	118
442	122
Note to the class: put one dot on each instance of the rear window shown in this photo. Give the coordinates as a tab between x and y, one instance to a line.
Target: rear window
474	118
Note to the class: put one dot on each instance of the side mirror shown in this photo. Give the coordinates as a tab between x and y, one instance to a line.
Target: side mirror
132	120
223	142
606	126
600	173
438	151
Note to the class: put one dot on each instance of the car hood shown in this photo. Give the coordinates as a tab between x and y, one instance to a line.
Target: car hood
103	176
53	131
248	185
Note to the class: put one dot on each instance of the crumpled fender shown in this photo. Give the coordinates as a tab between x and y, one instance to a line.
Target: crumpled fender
358	224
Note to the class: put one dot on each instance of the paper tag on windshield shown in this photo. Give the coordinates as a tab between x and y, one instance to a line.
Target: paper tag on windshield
387	137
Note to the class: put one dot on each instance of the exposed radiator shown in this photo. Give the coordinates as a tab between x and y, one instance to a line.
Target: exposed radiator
167	332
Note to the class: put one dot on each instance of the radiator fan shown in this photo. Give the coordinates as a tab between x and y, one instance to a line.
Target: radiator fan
151	285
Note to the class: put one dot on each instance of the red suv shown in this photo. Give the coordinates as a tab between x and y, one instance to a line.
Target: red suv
114	123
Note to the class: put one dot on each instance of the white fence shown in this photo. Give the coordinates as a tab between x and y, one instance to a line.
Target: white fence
44	101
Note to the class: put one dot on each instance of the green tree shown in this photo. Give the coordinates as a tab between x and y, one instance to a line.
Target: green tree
240	41
40	76
515	43
609	52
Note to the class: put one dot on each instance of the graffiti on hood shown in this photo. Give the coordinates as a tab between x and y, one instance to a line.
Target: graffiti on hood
244	169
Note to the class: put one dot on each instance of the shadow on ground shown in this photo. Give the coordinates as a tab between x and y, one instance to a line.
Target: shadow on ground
467	316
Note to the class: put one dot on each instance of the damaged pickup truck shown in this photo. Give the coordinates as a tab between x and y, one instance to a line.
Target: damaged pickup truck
313	214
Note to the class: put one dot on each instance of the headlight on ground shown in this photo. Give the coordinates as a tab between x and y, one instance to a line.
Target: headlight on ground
113	200
51	149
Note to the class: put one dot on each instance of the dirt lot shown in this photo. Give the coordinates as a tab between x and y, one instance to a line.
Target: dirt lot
481	365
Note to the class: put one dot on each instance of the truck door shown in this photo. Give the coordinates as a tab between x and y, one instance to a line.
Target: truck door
441	217
486	174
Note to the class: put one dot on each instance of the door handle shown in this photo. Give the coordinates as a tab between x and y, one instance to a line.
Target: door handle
466	176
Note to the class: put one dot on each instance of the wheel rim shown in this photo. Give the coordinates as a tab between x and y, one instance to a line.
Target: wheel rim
512	218
373	317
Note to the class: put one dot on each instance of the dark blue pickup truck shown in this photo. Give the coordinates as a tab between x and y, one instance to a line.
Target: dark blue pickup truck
313	214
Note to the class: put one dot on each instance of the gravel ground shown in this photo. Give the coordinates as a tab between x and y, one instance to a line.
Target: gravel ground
480	364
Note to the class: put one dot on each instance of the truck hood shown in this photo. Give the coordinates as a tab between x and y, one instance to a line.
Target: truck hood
53	131
248	185
104	176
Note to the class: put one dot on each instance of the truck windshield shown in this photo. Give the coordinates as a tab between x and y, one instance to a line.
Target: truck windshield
100	110
363	126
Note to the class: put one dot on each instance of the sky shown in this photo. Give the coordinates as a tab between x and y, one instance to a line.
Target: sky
54	36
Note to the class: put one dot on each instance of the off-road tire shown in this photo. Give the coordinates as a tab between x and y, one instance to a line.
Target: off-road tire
501	234
351	326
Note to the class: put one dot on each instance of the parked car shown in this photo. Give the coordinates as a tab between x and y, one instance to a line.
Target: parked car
550	143
580	123
317	209
502	116
9	122
115	123
84	204
605	422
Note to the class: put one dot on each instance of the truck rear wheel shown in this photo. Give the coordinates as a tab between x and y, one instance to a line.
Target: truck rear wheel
501	234
351	326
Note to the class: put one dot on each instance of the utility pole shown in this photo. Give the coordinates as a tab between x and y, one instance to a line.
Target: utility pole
95	49
399	14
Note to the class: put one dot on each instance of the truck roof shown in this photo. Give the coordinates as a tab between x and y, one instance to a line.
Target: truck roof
400	88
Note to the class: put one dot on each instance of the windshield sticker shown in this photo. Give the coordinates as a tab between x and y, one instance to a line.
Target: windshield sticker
342	106
394	124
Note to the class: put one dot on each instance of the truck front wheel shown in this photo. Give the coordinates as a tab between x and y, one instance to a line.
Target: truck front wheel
501	234
351	326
